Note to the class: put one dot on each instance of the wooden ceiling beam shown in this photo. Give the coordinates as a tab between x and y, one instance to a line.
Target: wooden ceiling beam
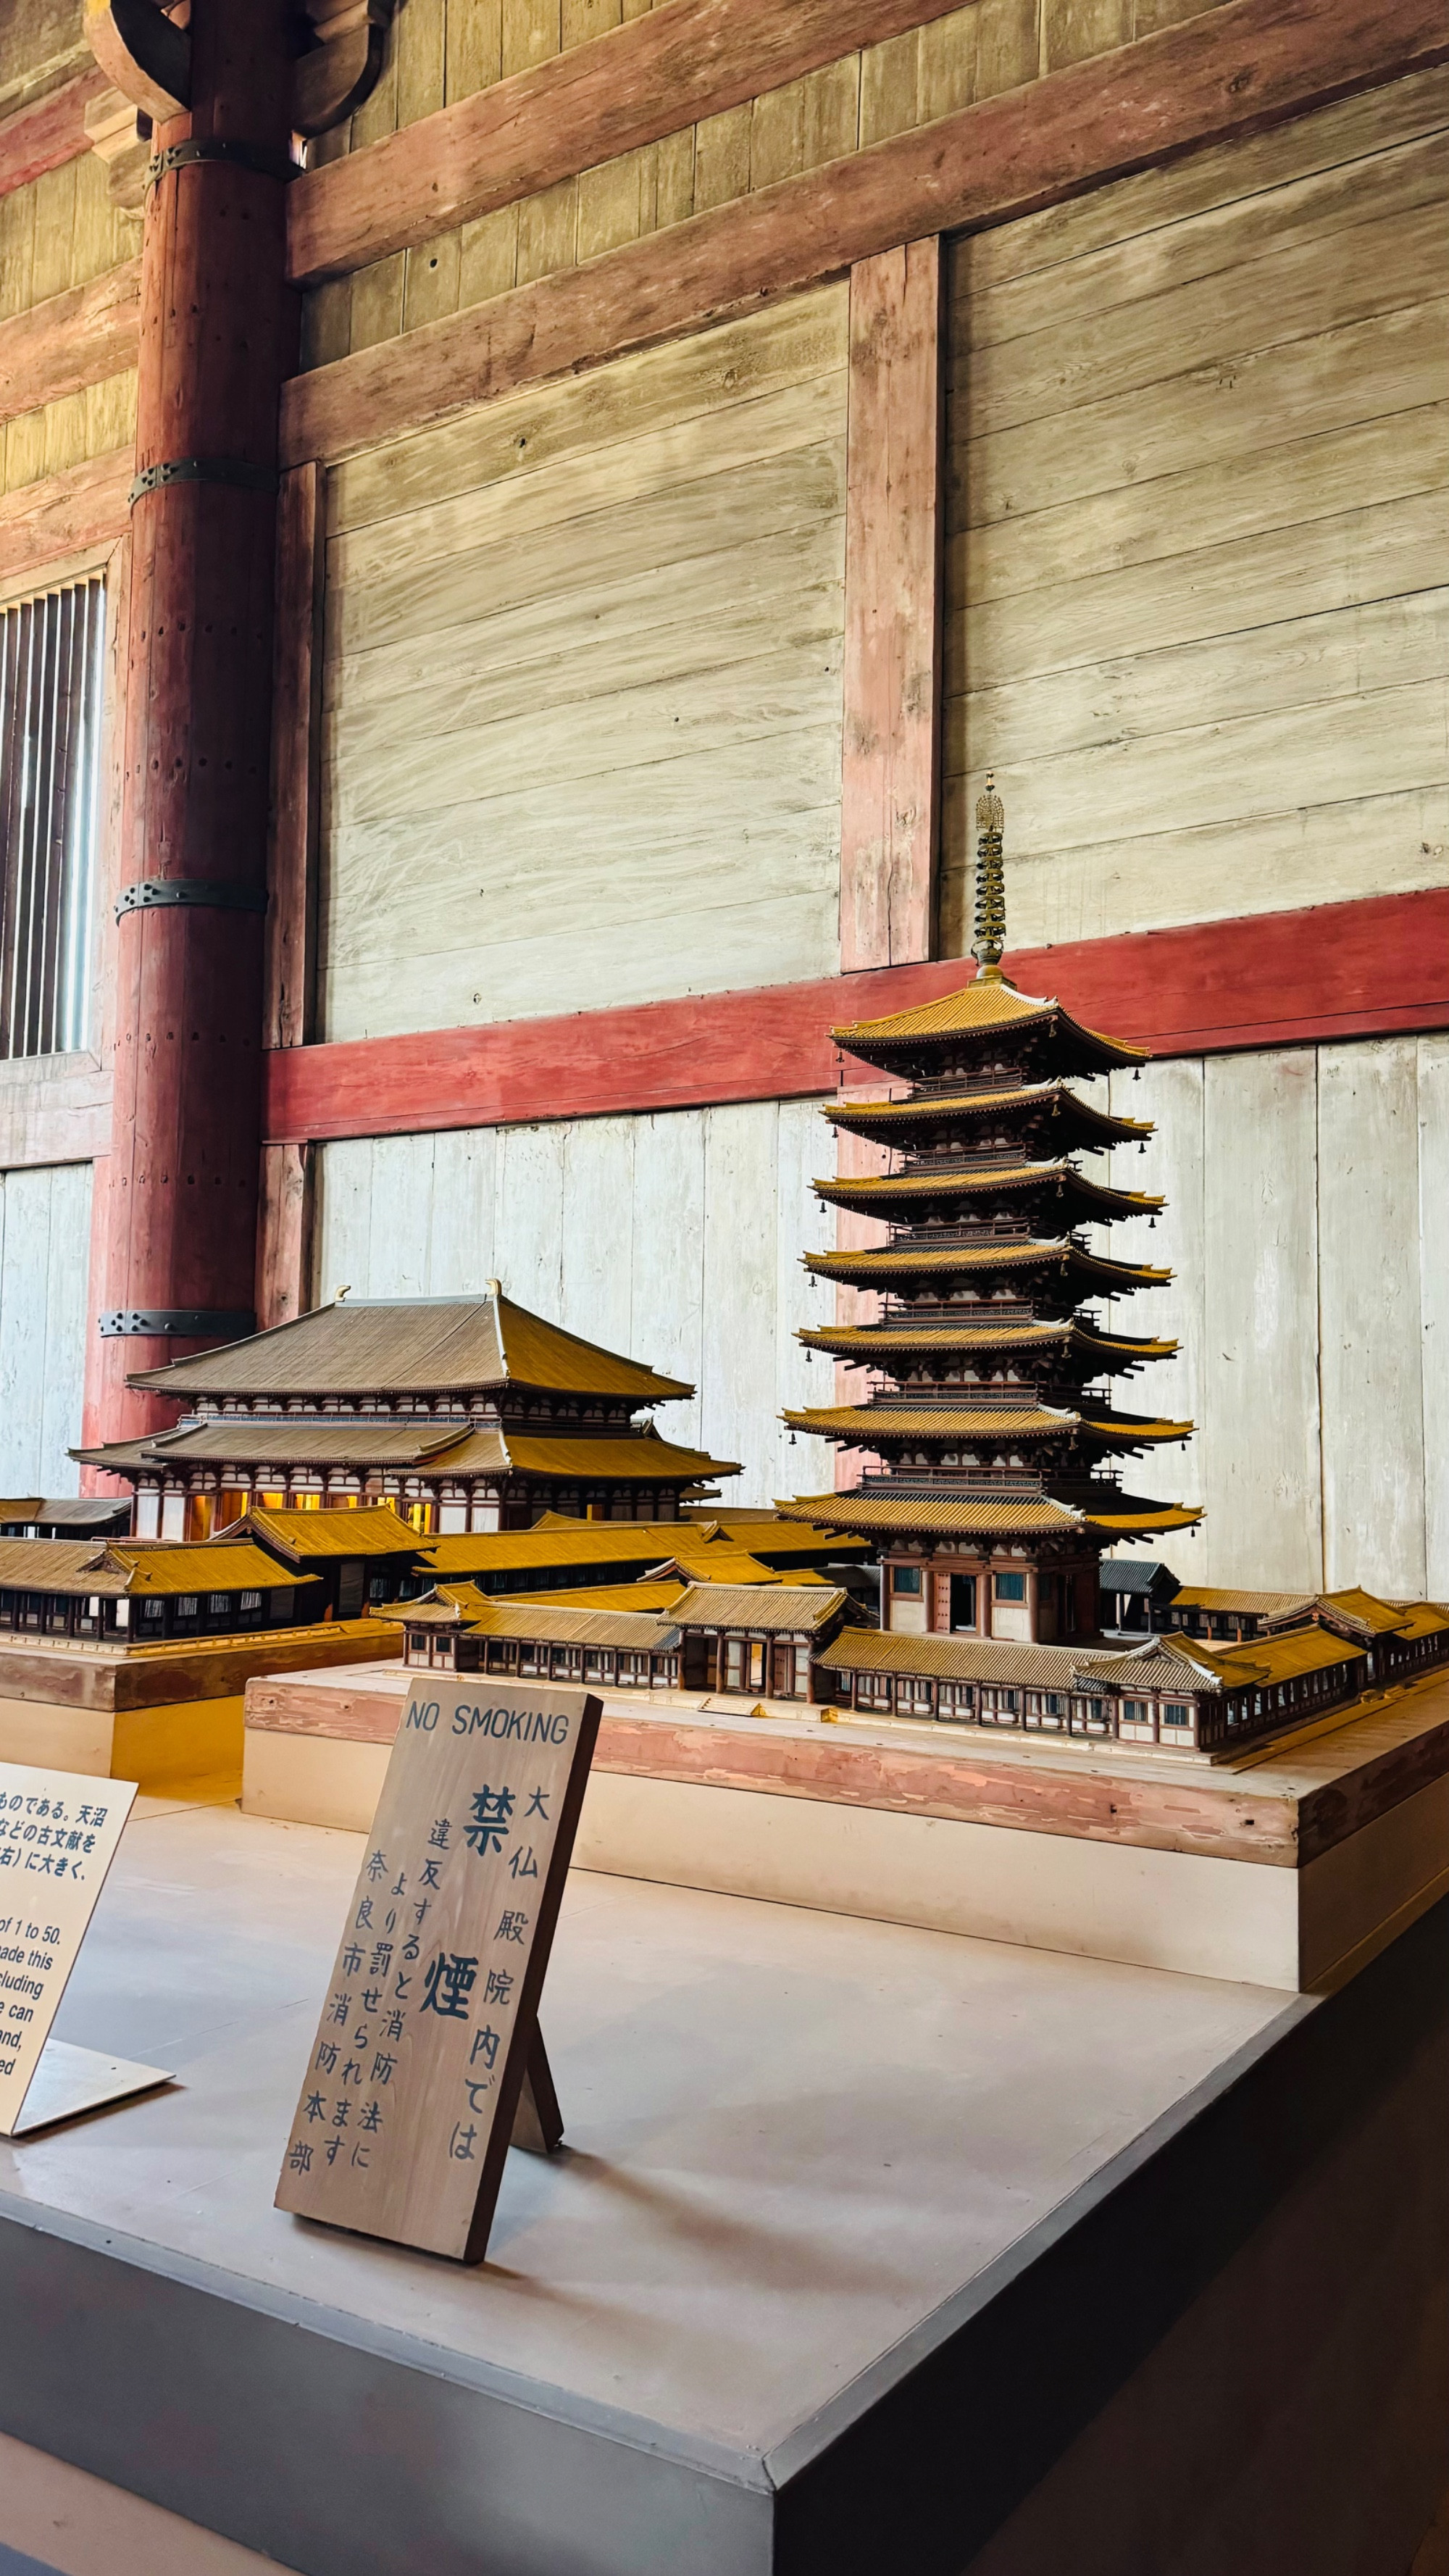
70	341
51	131
1249	64
617	92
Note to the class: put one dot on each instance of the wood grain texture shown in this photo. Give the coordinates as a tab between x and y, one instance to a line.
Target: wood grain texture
291	943
1372	1360
542	124
1296	1805
1197	569
1261	1470
49	133
284	1234
53	1109
1238	67
47	522
1368	968
71	340
616	642
890	769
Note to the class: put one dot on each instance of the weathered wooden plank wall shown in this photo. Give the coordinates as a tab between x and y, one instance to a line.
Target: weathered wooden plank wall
1198	558
1313	1351
44	1226
676	1238
582	729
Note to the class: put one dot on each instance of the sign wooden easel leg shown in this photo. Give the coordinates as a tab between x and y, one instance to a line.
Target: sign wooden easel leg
538	2121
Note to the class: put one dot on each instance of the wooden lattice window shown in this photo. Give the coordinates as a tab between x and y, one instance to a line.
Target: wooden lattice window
51	653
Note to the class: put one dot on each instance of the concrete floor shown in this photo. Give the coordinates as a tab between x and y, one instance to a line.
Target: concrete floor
792	2137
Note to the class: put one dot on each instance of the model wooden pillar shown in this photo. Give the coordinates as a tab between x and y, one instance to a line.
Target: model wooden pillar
217	338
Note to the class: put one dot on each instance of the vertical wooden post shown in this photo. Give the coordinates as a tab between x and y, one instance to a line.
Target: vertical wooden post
889	795
291	961
284	1228
218	337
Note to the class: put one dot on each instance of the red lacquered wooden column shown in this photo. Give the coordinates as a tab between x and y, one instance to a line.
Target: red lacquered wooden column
218	335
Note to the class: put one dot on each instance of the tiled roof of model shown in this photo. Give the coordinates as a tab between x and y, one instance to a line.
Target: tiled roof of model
381	1440
372	1529
967	1659
529	1616
933	1261
773	1606
412	1346
962	1422
153	1566
852	1340
992	1519
975	1180
974	1010
1056	1098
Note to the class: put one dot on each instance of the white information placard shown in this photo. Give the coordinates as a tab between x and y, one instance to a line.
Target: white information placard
58	1836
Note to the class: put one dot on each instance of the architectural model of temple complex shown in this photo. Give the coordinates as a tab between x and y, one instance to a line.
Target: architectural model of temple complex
465	1413
992	1487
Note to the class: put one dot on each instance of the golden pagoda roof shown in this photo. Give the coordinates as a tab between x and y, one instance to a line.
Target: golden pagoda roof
369	1346
863	1423
1037	1517
874	1117
933	1261
861	1344
977	1010
886	1188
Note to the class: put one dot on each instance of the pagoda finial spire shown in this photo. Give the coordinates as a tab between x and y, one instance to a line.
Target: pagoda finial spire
990	885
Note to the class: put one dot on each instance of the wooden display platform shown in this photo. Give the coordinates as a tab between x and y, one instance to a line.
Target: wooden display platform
1291	1868
161	1713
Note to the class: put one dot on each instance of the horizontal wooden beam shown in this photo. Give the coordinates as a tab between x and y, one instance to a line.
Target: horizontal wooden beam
624	89
1345	970
44	524
1249	64
49	132
71	340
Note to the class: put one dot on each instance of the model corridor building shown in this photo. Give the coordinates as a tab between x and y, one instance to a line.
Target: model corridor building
992	1436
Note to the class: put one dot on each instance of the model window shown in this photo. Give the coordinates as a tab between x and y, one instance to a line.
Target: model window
152	1609
1174	1714
1009	1587
905	1578
734	1663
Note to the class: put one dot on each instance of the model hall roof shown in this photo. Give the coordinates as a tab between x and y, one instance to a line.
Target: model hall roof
982	1010
425	1445
372	1529
134	1568
967	1659
414	1346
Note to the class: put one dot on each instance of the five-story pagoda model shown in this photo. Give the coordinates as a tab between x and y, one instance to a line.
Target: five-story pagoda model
988	1424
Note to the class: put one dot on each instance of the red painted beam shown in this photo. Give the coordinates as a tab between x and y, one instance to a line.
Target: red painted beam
51	131
1341	970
